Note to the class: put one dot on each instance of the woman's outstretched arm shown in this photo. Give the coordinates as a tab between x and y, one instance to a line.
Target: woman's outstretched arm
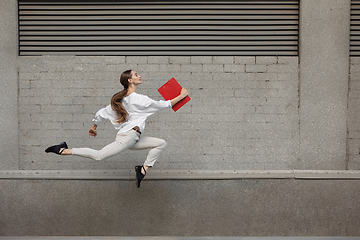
182	95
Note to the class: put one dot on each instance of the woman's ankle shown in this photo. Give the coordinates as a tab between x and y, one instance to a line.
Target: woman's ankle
144	168
66	151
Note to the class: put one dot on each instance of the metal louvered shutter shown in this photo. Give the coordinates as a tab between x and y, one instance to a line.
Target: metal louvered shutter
155	27
355	28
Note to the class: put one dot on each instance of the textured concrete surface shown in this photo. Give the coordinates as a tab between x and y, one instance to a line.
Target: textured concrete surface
9	148
324	68
180	208
243	113
354	115
180	238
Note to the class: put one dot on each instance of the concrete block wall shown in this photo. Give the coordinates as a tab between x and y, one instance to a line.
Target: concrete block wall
9	86
353	149
324	77
243	113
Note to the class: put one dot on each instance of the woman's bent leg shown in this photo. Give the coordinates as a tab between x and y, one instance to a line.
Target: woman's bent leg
122	142
157	145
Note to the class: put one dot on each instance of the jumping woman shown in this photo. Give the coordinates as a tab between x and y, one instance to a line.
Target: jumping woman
128	112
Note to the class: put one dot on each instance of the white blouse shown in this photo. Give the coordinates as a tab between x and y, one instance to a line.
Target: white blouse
139	108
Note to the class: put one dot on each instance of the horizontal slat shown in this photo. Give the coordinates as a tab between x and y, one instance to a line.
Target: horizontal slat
162	17
86	2
355	28
162	12
156	28
352	18
355	48
166	33
354	32
156	38
157	48
158	43
152	7
164	22
355	38
163	53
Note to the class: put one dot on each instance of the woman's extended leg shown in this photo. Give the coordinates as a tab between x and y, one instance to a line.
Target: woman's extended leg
122	142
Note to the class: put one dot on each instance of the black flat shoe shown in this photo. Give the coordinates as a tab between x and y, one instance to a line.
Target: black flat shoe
139	175
56	148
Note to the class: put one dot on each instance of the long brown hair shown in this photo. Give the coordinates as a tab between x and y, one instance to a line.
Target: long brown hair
118	97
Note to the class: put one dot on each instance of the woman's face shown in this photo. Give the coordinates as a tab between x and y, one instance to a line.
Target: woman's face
135	78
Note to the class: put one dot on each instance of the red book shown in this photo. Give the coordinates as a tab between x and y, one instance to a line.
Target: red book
170	90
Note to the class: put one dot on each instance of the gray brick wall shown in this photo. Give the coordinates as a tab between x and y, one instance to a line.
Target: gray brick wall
243	113
353	149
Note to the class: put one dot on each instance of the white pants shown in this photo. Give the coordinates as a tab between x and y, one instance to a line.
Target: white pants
129	140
